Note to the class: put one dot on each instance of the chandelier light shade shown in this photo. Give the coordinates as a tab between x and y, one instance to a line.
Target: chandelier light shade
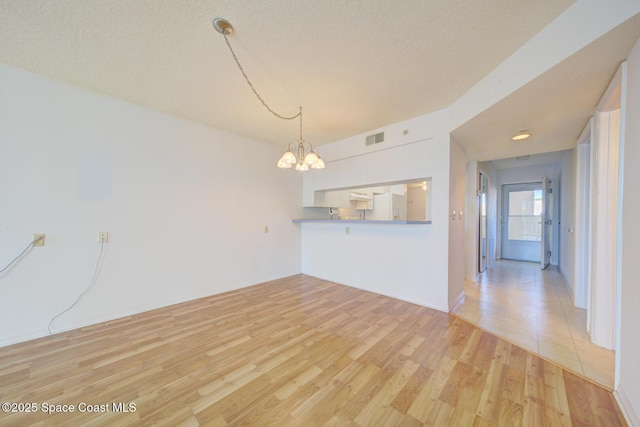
303	158
302	161
287	160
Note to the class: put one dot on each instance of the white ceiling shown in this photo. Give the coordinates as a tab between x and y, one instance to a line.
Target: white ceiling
353	65
528	160
556	106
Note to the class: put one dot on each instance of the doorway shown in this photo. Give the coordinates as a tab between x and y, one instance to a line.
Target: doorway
522	217
483	242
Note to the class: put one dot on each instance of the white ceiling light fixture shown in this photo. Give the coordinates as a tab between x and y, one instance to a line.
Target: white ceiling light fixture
302	158
521	136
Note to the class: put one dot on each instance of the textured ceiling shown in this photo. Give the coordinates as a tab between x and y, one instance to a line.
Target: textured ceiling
353	65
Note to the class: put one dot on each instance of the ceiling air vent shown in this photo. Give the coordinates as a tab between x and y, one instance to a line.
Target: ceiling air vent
376	138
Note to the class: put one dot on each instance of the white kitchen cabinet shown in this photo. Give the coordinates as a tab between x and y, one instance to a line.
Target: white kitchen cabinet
337	199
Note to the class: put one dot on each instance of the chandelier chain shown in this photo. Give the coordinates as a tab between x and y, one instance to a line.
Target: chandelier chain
235	58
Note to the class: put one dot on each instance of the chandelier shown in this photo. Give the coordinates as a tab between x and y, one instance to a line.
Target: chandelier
302	157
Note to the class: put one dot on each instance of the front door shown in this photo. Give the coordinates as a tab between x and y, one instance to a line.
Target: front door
522	209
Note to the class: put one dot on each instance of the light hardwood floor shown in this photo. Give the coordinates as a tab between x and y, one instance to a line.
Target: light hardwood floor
533	309
298	351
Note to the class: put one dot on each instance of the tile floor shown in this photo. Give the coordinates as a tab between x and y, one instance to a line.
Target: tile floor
532	308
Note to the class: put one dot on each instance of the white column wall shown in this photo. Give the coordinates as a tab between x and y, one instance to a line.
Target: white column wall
408	262
457	192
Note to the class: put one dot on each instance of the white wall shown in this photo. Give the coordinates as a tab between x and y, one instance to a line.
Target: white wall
457	188
567	256
628	354
351	164
532	174
408	262
184	205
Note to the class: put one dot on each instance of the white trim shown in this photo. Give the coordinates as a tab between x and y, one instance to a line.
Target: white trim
628	412
605	222
582	241
611	98
479	175
619	231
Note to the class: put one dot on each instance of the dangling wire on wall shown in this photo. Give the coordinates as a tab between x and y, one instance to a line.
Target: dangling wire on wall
29	246
92	282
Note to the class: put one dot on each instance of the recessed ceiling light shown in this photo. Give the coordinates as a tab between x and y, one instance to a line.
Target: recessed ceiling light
521	136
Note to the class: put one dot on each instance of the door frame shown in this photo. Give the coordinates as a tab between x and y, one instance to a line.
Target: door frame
546	231
582	242
483	188
606	207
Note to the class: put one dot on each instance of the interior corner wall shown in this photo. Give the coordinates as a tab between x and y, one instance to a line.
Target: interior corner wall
407	262
628	354
457	193
184	206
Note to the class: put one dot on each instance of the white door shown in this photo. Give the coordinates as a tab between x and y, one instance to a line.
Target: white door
522	206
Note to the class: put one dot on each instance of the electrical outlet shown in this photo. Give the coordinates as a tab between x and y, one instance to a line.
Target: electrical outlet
103	237
346	230
38	239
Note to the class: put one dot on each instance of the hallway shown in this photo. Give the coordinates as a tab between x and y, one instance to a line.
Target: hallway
532	308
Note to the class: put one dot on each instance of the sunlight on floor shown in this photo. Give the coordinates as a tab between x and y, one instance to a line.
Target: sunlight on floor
532	308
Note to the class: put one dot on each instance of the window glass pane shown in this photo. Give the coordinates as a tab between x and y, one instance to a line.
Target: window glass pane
525	202
525	227
525	215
